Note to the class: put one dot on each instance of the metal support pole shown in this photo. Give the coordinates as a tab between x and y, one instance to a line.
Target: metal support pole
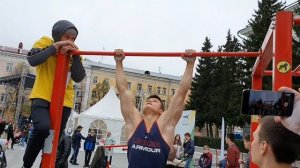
282	64
56	108
256	85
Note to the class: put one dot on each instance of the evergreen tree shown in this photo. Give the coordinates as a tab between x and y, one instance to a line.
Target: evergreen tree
259	24
231	76
199	99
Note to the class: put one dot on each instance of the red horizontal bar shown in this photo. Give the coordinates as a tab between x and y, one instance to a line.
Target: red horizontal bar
114	146
297	21
171	54
270	73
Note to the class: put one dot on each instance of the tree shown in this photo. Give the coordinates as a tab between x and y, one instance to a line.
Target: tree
99	91
199	99
231	78
16	91
259	24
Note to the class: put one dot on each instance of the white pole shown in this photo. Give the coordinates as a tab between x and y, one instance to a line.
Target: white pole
222	139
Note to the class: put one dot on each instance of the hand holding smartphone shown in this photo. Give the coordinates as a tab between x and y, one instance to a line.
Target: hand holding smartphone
265	102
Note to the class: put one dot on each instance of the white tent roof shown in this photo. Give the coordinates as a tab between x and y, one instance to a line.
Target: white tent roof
107	108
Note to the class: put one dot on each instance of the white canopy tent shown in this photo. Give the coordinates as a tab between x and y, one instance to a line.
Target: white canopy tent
71	122
104	115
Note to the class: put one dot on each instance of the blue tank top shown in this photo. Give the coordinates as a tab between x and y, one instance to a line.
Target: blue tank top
147	150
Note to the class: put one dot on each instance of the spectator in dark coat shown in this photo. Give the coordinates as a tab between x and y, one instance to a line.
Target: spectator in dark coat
89	146
189	149
76	143
63	151
2	126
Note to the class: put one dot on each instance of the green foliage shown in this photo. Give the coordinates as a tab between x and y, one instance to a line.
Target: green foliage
260	24
215	143
217	87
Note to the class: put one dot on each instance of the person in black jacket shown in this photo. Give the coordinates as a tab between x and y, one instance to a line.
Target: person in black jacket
89	146
76	143
63	151
2	126
189	149
10	133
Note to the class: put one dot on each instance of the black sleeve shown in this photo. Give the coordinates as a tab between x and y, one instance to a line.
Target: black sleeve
37	56
77	70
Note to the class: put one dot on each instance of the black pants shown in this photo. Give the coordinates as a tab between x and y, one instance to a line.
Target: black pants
10	135
40	115
87	158
75	153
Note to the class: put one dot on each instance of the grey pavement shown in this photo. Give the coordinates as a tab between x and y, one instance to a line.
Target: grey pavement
15	159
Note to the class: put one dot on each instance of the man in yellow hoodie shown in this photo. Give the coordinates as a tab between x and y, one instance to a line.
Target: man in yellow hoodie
43	56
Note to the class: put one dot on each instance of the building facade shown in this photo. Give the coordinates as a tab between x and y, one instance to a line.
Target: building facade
100	77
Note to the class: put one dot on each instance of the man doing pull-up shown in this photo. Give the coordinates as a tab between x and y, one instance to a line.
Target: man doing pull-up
150	133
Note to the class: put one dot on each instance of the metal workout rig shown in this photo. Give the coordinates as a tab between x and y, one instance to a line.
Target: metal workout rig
277	46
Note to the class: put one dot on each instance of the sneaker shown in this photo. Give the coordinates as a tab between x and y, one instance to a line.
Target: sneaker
75	163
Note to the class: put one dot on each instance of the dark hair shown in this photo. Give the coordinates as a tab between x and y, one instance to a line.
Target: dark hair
159	99
187	134
247	138
230	135
177	142
285	144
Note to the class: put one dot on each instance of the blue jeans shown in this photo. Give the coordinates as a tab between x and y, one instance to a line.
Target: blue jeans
188	162
75	153
23	140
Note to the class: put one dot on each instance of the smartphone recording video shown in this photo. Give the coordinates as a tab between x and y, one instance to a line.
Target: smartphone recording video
264	102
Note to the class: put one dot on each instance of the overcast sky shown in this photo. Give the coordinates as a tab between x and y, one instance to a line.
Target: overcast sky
133	25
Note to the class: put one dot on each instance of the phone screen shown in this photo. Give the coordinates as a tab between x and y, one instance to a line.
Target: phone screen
264	102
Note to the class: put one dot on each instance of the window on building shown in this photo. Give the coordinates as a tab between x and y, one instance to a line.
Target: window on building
1	113
129	85
138	102
173	91
78	93
23	100
139	87
149	89
164	91
77	106
3	98
164	102
106	81
93	94
100	129
9	67
95	80
123	139
158	90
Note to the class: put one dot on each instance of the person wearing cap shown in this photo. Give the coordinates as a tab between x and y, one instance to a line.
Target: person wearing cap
205	160
43	56
76	144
